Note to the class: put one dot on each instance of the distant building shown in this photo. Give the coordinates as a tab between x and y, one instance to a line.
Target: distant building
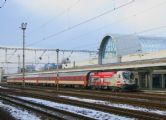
51	66
126	48
75	64
30	68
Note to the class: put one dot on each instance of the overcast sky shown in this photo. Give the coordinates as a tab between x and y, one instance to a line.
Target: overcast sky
46	18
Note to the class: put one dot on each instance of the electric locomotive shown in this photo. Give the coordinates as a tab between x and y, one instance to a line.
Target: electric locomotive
115	80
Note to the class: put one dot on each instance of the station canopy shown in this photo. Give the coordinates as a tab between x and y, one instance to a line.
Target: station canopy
113	46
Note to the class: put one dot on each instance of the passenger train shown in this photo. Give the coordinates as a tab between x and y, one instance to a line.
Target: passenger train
114	80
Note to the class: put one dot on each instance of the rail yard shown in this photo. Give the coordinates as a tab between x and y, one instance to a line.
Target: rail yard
82	60
106	104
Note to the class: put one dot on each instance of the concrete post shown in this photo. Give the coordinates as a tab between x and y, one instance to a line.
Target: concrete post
57	68
163	81
139	83
1	73
150	81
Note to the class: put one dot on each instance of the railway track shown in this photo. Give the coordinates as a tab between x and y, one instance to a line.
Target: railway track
108	109
148	103
49	111
139	95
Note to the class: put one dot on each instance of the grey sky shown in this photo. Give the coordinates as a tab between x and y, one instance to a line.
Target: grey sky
48	17
50	23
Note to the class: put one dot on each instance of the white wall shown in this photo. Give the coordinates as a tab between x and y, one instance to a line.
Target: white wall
125	58
144	56
81	63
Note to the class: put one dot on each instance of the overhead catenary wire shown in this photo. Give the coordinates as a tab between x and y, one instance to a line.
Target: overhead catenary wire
124	19
86	45
84	22
151	29
33	49
140	32
148	30
12	54
60	14
143	11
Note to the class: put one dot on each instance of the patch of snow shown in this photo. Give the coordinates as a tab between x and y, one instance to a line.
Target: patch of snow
18	113
4	87
77	110
126	106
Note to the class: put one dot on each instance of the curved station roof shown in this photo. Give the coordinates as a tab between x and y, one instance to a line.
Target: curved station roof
114	46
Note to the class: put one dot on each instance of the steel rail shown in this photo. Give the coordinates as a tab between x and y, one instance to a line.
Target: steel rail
104	108
49	111
154	104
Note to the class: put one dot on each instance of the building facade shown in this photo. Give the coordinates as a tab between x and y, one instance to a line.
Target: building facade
126	48
114	47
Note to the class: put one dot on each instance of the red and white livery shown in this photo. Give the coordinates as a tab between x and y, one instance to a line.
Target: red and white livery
105	79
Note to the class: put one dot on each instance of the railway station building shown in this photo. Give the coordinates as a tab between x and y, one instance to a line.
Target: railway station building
126	48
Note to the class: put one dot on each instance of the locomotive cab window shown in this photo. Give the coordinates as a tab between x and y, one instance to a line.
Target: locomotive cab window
126	75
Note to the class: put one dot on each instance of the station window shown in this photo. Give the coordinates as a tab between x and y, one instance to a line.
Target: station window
142	80
109	48
157	80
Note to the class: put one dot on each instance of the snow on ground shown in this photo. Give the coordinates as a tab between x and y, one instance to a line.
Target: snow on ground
78	110
4	87
19	113
126	106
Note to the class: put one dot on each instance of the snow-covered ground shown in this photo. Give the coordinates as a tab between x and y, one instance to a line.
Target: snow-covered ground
4	87
19	113
78	110
126	106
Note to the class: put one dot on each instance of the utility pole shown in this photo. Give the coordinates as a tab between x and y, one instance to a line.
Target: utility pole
57	68
23	27
6	60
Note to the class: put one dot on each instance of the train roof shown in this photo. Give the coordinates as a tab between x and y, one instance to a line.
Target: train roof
44	72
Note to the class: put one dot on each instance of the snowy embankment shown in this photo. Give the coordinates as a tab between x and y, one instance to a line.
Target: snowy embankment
4	87
77	110
125	106
19	113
